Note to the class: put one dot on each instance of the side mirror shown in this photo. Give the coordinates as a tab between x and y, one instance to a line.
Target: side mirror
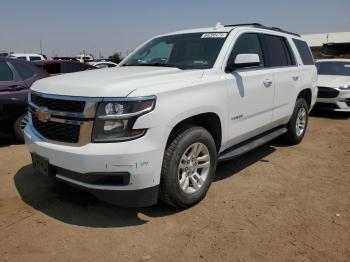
244	60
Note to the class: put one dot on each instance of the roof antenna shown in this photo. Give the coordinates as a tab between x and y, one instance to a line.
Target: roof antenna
218	25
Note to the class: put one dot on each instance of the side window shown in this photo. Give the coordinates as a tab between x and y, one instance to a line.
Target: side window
247	44
23	71
289	52
5	72
304	52
21	57
277	51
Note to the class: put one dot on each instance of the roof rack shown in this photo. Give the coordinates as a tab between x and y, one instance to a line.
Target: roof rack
257	25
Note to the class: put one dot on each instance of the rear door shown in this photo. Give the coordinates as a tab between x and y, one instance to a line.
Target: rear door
251	91
280	58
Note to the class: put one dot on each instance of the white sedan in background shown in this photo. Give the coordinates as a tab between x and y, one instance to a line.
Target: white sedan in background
333	84
103	64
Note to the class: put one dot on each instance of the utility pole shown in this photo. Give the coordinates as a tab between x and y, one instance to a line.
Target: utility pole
41	50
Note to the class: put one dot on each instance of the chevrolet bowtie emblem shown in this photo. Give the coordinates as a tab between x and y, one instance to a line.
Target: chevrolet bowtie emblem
42	115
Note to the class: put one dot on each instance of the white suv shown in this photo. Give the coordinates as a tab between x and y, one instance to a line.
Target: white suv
28	57
155	126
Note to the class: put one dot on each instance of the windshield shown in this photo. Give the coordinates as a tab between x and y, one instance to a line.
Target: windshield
333	68
184	51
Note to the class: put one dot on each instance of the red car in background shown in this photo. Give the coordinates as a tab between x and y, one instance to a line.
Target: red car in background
16	77
55	67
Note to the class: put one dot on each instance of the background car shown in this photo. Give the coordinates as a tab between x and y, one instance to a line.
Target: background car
55	67
4	53
333	84
84	58
28	57
103	64
16	76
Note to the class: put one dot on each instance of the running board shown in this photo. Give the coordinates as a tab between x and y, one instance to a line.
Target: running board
245	147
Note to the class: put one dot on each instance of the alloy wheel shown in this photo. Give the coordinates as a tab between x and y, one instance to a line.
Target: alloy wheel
194	168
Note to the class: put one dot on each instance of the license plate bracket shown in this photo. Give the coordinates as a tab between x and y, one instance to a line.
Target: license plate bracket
41	165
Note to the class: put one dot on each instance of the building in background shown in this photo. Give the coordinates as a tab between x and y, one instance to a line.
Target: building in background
329	44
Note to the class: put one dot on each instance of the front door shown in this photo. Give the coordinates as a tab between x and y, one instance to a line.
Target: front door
251	92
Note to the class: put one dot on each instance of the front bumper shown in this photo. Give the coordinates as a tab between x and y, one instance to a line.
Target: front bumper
140	158
339	103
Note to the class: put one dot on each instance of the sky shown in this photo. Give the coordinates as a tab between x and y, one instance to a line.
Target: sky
67	27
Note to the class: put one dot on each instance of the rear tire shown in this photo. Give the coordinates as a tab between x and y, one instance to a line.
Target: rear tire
18	127
188	168
297	124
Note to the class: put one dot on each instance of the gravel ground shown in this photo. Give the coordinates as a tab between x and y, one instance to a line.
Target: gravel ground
276	203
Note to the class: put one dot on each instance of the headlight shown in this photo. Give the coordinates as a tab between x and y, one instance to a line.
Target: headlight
115	119
346	87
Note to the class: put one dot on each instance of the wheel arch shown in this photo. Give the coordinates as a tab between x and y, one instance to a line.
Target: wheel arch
208	120
307	95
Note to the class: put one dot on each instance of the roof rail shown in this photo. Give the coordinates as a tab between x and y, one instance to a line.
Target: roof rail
257	25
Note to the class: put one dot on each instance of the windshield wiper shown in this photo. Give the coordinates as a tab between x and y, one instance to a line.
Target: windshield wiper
156	64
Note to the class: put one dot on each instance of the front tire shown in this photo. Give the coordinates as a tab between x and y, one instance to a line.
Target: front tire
297	124
18	127
188	168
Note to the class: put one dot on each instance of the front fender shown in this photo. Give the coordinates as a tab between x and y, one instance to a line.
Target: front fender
177	105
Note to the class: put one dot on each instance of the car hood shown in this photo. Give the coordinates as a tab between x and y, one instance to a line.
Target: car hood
333	80
114	82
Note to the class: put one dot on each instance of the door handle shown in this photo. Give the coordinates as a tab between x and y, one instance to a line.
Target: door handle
295	78
267	82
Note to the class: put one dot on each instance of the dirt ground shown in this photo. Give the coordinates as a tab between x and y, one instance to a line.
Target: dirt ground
276	203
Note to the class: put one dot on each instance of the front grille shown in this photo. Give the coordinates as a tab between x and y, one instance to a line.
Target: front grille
57	131
327	92
58	104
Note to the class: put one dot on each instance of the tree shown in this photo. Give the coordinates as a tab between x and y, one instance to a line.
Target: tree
116	56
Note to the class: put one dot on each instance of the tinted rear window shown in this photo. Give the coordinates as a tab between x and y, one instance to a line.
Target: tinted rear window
34	58
5	72
277	51
304	52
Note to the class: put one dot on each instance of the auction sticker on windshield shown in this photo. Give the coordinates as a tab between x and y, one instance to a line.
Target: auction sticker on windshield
214	35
